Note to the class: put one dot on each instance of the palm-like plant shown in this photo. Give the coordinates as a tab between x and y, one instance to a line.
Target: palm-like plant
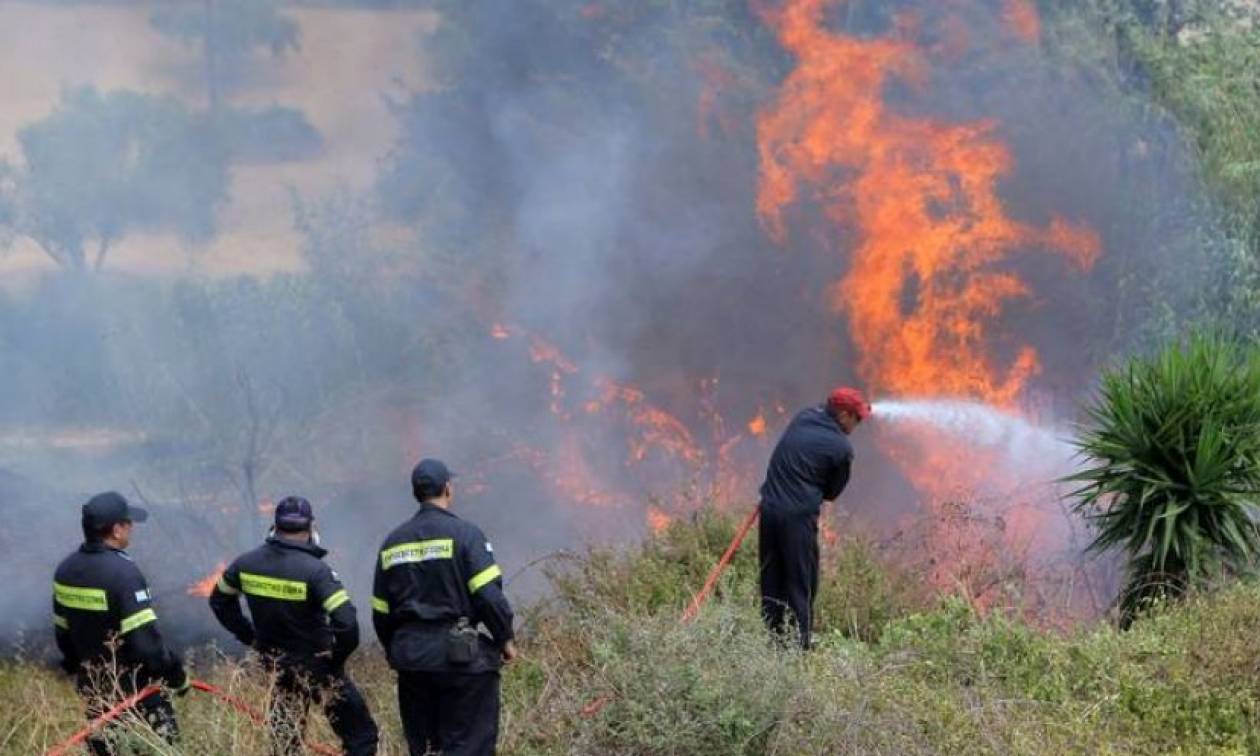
1171	468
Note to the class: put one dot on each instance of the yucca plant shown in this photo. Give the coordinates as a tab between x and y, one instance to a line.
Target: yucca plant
1171	466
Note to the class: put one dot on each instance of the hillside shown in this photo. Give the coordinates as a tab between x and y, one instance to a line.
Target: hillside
931	675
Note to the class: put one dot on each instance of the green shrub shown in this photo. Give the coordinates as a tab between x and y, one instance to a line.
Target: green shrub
941	679
1172	465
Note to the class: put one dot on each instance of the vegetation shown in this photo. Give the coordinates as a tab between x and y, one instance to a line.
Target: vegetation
1194	63
227	31
895	672
1172	465
104	165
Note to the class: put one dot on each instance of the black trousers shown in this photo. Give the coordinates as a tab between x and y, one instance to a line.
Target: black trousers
449	713
787	546
156	711
297	687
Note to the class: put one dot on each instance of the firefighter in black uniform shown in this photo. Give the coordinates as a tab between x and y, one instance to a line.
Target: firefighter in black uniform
105	624
303	625
440	613
809	465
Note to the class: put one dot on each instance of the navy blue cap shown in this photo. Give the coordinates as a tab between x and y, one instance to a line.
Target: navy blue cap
110	508
429	478
293	514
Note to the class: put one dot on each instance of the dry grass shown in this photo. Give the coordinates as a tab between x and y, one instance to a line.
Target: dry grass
894	672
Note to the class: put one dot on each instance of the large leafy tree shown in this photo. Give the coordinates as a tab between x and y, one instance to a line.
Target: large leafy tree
106	164
1172	465
229	34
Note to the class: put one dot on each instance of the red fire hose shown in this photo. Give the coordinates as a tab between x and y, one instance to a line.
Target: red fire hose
697	601
104	719
702	595
254	715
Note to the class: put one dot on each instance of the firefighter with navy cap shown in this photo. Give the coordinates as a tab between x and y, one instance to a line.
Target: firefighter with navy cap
105	624
303	625
440	613
809	465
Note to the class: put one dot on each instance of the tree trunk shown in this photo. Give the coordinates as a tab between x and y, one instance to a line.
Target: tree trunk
214	94
101	249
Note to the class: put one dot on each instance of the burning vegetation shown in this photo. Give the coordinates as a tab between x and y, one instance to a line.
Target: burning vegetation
596	255
607	255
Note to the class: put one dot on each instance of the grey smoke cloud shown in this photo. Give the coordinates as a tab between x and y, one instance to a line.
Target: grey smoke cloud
552	177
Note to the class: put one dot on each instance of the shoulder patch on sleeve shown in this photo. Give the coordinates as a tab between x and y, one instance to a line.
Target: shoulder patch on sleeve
143	596
489	548
335	576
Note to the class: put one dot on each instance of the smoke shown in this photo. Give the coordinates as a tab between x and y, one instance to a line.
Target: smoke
554	277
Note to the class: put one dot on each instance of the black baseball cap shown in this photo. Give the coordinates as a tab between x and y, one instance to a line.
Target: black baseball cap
429	478
294	514
110	508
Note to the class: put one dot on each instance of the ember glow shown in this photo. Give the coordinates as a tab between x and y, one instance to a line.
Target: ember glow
1021	16
205	586
679	464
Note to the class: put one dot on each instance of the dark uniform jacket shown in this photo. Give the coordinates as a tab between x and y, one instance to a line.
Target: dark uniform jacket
809	465
431	571
100	597
300	610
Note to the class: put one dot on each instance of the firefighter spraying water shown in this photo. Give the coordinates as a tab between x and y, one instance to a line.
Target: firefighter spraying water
810	466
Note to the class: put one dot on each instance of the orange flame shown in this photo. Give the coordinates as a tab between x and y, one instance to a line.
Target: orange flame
205	586
654	428
929	275
658	520
757	426
699	468
1021	17
924	283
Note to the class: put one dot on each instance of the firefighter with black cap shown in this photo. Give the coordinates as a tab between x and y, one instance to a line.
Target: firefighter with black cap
303	625
809	465
105	624
440	613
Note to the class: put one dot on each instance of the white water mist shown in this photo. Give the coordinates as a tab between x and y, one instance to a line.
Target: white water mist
1040	450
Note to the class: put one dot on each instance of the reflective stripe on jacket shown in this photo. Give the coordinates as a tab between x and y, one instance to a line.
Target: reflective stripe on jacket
297	604
100	597
431	571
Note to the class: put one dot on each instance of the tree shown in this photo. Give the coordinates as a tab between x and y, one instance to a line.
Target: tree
105	164
1172	466
228	31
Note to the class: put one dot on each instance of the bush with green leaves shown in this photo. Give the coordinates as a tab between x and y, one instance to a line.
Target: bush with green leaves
1171	472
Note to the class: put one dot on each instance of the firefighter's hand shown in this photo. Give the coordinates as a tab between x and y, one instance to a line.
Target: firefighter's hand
510	654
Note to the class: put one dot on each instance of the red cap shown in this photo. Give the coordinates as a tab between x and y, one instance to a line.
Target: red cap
850	399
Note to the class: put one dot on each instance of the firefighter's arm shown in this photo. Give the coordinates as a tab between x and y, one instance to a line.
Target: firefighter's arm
382	617
61	631
485	586
331	595
838	479
141	639
225	602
